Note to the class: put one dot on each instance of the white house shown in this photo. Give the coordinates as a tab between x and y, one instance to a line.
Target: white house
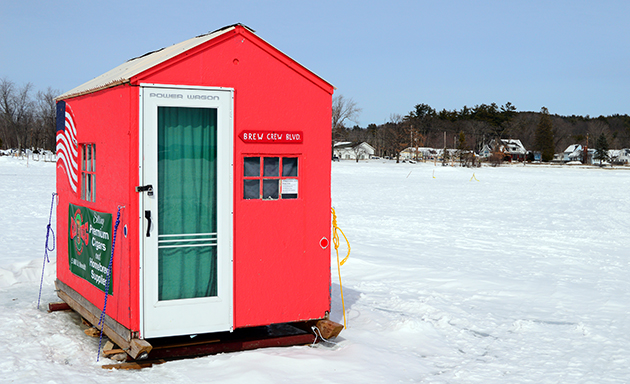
619	156
486	151
353	150
572	153
516	149
417	153
512	147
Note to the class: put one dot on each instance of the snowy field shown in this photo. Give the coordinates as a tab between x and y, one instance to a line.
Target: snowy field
518	275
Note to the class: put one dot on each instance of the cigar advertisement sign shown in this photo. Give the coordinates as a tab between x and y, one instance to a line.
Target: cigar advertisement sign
90	245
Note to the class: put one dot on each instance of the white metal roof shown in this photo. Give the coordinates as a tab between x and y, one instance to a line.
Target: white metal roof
122	73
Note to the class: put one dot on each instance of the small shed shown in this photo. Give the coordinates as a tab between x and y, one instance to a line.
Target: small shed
206	167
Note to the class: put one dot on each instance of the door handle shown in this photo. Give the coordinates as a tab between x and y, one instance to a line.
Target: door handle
147	215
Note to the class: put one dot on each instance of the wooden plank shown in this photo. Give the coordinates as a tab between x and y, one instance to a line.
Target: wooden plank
113	352
133	365
115	326
92	332
110	349
139	349
167	352
116	338
108	346
186	344
134	347
285	341
60	306
328	328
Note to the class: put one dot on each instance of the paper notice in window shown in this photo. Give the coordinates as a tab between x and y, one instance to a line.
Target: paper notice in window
289	186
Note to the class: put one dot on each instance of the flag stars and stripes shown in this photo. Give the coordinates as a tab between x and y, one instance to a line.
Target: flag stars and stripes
67	145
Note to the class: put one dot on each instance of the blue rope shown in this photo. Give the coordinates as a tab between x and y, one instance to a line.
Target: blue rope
101	321
49	230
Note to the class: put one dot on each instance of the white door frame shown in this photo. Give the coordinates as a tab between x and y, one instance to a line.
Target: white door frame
196	315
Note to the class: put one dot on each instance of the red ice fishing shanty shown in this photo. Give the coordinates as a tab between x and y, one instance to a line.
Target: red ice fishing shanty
213	156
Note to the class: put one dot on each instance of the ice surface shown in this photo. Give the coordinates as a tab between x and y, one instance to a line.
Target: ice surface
519	277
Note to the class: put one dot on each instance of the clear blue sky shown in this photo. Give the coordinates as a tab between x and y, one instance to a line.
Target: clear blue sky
571	56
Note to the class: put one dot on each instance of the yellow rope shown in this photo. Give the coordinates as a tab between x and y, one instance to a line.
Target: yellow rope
336	229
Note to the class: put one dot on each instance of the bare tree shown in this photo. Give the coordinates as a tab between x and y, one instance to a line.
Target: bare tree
16	111
46	119
24	116
396	135
359	152
7	89
343	110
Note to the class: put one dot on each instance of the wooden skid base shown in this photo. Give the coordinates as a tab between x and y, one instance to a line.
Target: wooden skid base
281	335
159	350
182	347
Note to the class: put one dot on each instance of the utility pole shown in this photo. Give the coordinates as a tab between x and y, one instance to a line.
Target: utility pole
411	141
416	149
444	154
585	152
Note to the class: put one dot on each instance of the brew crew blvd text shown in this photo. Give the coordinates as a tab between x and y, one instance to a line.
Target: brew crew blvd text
271	137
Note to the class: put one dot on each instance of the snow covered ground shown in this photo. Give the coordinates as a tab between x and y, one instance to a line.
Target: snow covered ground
518	275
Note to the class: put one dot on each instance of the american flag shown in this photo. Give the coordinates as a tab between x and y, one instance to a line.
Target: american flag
67	145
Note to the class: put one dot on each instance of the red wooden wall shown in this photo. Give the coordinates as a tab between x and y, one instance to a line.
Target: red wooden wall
109	119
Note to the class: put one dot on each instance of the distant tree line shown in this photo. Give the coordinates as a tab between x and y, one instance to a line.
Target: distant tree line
471	127
27	119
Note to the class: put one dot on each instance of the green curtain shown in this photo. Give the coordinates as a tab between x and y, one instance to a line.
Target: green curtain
187	202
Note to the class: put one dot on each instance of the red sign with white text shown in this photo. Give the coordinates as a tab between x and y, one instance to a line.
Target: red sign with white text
272	137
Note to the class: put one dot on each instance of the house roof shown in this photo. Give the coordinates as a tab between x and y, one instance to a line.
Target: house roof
133	67
352	144
514	146
420	149
573	147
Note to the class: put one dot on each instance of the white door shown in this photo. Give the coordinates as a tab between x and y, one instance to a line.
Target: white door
185	210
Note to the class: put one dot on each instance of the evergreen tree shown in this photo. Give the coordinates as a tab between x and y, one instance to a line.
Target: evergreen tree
461	141
543	137
601	148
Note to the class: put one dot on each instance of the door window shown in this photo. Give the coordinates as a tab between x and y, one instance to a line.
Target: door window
187	207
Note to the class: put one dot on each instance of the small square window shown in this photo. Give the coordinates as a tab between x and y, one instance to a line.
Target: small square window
289	166
251	189
251	166
272	166
270	189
